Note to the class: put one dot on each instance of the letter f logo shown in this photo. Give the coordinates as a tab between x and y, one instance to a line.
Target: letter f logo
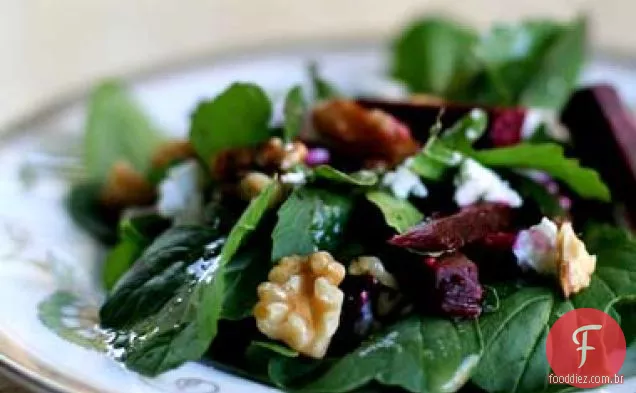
584	347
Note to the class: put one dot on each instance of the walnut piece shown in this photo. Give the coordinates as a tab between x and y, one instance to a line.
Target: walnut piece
126	187
373	266
301	303
368	134
575	265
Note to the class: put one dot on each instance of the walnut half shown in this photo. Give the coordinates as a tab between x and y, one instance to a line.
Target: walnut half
301	303
575	265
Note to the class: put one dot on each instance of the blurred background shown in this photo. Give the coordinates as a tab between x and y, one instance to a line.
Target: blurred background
50	48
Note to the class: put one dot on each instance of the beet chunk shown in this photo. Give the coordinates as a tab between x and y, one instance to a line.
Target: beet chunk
468	225
603	133
504	127
457	288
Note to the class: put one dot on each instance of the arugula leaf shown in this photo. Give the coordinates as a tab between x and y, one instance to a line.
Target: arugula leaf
186	325
557	74
547	157
310	220
364	178
515	334
295	110
116	129
399	214
441	149
433	55
323	90
237	117
416	354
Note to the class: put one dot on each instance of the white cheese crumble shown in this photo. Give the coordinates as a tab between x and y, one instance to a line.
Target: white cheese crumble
179	194
536	247
403	182
294	178
536	116
476	183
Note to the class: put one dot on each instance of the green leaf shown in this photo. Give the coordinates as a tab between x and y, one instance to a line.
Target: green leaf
363	178
441	149
547	203
135	234
72	327
417	354
557	74
246	270
323	90
186	325
276	348
547	157
515	334
157	275
295	111
433	55
511	55
117	129
310	220
238	117
399	214
84	208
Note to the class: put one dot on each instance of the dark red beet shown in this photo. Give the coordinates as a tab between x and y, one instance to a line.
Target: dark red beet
499	240
457	288
603	133
504	123
505	126
470	224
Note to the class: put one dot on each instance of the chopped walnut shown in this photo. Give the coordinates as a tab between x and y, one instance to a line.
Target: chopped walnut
126	187
368	134
301	303
172	151
374	267
278	155
272	156
575	265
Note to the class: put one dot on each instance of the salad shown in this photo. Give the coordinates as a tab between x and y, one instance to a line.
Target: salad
422	242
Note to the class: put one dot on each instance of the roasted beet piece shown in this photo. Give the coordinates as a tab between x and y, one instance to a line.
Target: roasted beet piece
603	133
370	135
457	288
455	231
504	127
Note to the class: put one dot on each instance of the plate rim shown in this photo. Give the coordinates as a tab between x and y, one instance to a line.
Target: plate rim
52	382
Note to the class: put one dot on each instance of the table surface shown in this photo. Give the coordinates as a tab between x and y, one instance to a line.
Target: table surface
42	56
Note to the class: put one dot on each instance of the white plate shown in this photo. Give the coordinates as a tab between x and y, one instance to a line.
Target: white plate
42	252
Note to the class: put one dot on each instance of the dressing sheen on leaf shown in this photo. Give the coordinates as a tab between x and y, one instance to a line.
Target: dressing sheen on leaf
310	220
184	327
515	334
238	117
426	355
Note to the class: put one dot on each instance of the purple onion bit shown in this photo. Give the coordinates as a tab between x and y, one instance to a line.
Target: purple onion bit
317	156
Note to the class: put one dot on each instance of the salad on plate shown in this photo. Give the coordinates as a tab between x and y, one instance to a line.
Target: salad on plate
421	238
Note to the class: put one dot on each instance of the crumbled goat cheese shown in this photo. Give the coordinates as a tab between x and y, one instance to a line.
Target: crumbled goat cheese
535	248
294	178
403	182
477	183
536	116
179	194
